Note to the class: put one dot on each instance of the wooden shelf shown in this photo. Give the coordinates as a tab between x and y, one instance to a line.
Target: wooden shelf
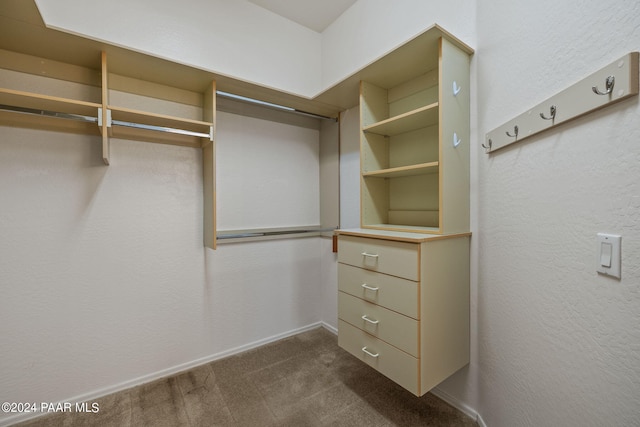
170	129
16	98
402	227
407	122
412	122
148	135
412	170
161	120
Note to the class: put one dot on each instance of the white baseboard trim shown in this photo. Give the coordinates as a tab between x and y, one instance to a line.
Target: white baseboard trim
96	394
330	328
459	405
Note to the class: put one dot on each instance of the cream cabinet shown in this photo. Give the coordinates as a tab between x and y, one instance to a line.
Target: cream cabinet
403	304
414	141
403	277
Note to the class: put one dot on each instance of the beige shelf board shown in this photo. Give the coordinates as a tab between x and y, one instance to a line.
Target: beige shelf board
16	98
413	170
153	119
401	236
407	122
147	135
575	101
32	121
403	228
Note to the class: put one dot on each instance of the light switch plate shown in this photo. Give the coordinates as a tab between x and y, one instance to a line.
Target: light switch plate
609	256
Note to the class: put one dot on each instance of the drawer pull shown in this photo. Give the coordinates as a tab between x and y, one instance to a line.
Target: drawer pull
371	288
370	255
369	353
373	322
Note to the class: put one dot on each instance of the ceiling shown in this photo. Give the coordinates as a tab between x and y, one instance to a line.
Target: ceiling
313	14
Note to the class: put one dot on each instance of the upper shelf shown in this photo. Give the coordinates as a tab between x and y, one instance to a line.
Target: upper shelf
133	124
25	109
407	122
30	100
22	30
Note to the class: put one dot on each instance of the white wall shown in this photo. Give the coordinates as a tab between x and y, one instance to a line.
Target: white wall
104	278
267	174
371	28
247	42
553	343
233	38
559	344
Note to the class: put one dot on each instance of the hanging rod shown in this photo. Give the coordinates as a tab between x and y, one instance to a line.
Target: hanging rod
90	119
159	128
271	105
47	113
270	233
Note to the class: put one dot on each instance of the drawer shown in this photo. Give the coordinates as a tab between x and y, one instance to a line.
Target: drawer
385	256
392	292
394	328
386	359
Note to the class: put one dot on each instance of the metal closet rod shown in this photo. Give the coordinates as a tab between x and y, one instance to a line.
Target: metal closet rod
272	105
242	234
159	128
90	119
47	113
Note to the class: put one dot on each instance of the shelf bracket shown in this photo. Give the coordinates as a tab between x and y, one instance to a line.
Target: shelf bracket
104	123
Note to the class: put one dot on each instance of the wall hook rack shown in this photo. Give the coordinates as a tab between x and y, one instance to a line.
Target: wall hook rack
576	100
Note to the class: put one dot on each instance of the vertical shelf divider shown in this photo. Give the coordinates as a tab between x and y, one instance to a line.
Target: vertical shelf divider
209	168
104	120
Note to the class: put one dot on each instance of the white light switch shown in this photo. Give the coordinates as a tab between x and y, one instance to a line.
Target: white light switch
605	254
609	254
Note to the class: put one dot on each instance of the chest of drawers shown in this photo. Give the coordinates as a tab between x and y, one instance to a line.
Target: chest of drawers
403	304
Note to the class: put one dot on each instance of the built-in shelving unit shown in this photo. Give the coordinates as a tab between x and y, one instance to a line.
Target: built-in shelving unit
176	115
57	81
415	144
403	277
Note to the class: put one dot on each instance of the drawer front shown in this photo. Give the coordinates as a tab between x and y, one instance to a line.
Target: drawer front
394	328
385	256
392	292
386	359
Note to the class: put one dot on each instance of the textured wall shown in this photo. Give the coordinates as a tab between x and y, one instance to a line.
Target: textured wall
220	36
233	38
371	28
267	174
103	276
558	344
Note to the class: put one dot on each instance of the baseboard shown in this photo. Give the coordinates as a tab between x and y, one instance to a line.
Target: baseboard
94	395
459	405
330	328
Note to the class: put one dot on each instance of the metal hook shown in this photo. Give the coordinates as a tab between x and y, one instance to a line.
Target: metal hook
552	112
489	146
456	88
515	130
611	80
456	140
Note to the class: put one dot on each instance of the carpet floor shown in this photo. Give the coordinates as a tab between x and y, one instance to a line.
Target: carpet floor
304	380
